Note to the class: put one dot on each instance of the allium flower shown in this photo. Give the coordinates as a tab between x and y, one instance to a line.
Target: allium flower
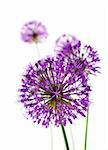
66	43
83	58
51	94
34	31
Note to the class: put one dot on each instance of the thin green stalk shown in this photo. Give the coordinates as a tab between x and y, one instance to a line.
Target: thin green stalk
38	52
51	131
73	144
86	131
65	137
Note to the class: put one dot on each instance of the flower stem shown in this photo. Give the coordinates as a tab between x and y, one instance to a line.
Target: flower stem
51	138
73	144
65	137
86	131
38	53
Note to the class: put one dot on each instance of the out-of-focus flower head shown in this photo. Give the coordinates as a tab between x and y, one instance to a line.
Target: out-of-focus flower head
51	94
34	31
67	43
83	58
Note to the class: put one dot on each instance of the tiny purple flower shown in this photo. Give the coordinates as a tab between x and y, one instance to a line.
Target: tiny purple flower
51	94
34	31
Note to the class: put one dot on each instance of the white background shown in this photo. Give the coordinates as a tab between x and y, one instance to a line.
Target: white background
85	19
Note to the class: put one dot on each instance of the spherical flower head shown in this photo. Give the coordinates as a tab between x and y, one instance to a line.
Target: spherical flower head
51	94
83	58
67	43
34	31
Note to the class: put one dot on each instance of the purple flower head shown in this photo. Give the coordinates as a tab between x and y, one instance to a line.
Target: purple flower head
67	43
51	94
34	31
84	59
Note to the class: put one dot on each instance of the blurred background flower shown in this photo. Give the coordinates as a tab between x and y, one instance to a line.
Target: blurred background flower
34	31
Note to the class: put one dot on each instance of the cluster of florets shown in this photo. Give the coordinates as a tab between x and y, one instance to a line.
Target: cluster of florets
56	89
83	58
34	31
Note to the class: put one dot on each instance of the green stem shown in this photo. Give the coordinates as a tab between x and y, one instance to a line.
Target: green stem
86	132
73	144
51	138
38	52
65	137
